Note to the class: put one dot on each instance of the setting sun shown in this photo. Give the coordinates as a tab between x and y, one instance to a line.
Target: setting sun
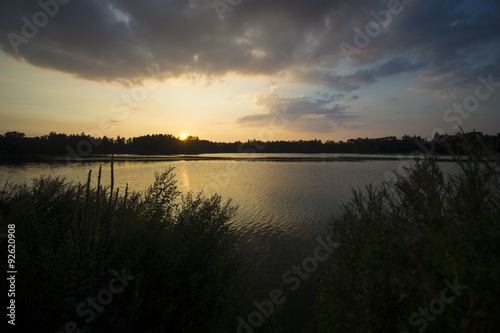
184	136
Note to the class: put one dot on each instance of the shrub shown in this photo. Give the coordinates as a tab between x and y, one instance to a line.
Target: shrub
400	243
176	255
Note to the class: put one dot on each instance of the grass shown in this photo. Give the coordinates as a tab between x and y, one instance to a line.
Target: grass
178	254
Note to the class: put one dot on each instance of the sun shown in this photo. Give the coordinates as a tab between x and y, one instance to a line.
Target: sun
184	136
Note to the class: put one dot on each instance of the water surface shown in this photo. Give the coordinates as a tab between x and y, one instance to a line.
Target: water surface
283	206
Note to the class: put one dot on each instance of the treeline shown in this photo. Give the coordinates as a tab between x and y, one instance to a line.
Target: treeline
16	143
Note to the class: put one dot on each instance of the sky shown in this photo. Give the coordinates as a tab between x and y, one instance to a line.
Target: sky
228	70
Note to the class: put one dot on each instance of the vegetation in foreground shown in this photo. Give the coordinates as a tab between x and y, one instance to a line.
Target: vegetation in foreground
93	259
420	255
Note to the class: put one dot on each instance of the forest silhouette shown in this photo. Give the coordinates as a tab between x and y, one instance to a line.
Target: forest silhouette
16	143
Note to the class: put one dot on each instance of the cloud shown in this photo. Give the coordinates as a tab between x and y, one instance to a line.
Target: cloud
298	113
113	121
364	76
445	84
115	41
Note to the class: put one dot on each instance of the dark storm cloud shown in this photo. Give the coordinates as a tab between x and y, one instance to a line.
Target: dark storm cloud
106	40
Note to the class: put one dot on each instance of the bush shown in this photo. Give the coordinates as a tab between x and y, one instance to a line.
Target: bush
112	262
402	245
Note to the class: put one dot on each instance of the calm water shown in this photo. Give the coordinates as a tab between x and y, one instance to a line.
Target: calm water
283	206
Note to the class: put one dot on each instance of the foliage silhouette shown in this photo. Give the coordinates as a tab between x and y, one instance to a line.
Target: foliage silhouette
82	145
399	243
74	239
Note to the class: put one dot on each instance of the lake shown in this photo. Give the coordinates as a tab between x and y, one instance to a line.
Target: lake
285	201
